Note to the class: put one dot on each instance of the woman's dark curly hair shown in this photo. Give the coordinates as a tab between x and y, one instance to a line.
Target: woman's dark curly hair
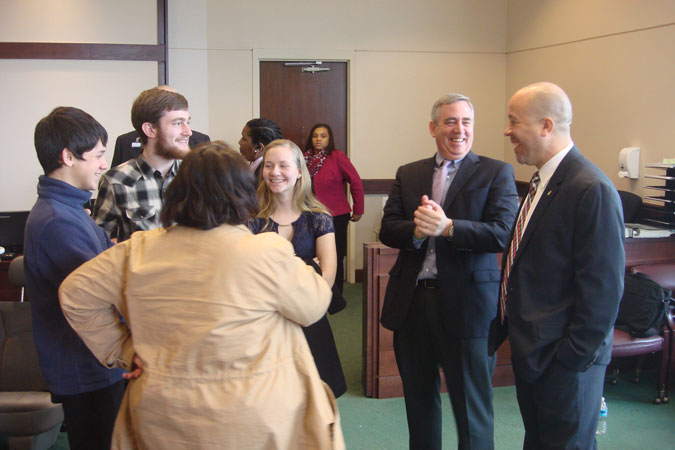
213	186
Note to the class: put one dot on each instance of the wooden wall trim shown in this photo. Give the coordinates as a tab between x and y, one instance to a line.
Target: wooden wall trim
53	50
162	40
114	52
377	186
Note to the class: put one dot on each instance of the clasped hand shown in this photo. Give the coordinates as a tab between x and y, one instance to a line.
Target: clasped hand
430	219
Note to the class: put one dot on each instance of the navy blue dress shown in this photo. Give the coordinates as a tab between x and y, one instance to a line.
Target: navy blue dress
306	229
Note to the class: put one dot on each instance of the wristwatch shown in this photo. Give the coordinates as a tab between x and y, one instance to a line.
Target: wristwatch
451	232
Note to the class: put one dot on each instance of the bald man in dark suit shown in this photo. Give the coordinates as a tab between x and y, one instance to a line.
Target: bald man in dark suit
562	276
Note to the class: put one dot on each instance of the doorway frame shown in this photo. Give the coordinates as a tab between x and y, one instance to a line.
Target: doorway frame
332	55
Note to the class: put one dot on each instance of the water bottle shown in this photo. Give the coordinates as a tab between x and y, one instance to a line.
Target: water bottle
602	421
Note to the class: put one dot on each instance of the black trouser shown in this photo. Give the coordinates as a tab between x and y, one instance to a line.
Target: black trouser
90	417
422	345
560	410
340	222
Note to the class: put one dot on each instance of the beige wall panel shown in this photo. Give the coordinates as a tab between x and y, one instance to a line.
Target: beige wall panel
622	90
187	24
230	94
536	23
367	229
30	89
395	93
429	25
188	74
90	21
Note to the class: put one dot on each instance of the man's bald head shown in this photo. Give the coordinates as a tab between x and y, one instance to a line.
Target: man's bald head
540	116
545	99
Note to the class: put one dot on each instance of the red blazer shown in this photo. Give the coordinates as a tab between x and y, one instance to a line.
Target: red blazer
329	184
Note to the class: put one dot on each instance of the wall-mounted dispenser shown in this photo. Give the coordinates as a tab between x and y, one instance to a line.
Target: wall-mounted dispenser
629	162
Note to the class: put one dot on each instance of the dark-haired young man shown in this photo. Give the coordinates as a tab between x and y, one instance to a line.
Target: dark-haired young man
130	196
60	236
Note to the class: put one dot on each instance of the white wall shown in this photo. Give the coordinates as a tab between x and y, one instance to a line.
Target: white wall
616	62
403	55
90	21
30	89
614	58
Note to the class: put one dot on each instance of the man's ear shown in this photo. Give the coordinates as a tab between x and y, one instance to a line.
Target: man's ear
432	128
547	126
149	130
67	157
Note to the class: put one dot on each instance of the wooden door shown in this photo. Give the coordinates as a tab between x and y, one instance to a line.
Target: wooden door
297	99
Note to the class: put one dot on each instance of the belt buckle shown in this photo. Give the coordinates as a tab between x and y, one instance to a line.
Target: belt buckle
428	283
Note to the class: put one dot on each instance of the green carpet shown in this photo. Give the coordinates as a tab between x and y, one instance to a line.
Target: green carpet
634	422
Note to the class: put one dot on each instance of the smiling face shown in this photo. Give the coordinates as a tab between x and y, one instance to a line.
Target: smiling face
320	139
86	172
454	130
172	135
525	132
280	170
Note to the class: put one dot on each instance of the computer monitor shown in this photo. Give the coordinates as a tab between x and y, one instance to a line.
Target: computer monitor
12	226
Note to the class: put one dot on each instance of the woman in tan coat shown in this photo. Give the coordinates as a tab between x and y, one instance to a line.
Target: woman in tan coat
212	316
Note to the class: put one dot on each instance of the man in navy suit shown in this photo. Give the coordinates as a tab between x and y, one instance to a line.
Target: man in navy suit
562	284
448	215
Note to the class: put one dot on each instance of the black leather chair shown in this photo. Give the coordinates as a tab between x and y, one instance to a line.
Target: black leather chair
28	418
632	203
625	345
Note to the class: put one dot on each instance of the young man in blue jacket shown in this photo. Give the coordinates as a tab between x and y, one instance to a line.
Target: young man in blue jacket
60	236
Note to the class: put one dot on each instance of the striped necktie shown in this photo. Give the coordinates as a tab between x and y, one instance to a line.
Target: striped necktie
515	242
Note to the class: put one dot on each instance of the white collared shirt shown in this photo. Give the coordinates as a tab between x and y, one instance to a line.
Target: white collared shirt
545	174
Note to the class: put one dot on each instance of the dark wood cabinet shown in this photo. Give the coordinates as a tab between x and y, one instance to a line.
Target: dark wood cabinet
380	376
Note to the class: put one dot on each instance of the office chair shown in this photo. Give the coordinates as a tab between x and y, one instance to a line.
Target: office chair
631	203
625	345
28	417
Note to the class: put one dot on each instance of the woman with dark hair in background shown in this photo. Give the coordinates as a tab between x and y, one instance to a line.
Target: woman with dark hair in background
212	321
330	170
288	207
255	135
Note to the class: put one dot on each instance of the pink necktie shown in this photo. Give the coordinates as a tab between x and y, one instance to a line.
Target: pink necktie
439	182
515	242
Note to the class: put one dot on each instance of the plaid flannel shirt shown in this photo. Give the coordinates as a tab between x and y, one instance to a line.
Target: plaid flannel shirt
130	198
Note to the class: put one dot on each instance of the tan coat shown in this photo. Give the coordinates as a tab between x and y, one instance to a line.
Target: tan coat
215	317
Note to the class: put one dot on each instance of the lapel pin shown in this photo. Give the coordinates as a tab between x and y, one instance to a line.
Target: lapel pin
548	193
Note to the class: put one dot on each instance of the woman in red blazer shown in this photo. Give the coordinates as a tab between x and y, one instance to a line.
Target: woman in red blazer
330	170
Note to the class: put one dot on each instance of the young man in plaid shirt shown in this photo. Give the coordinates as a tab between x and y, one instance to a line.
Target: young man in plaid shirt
130	196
